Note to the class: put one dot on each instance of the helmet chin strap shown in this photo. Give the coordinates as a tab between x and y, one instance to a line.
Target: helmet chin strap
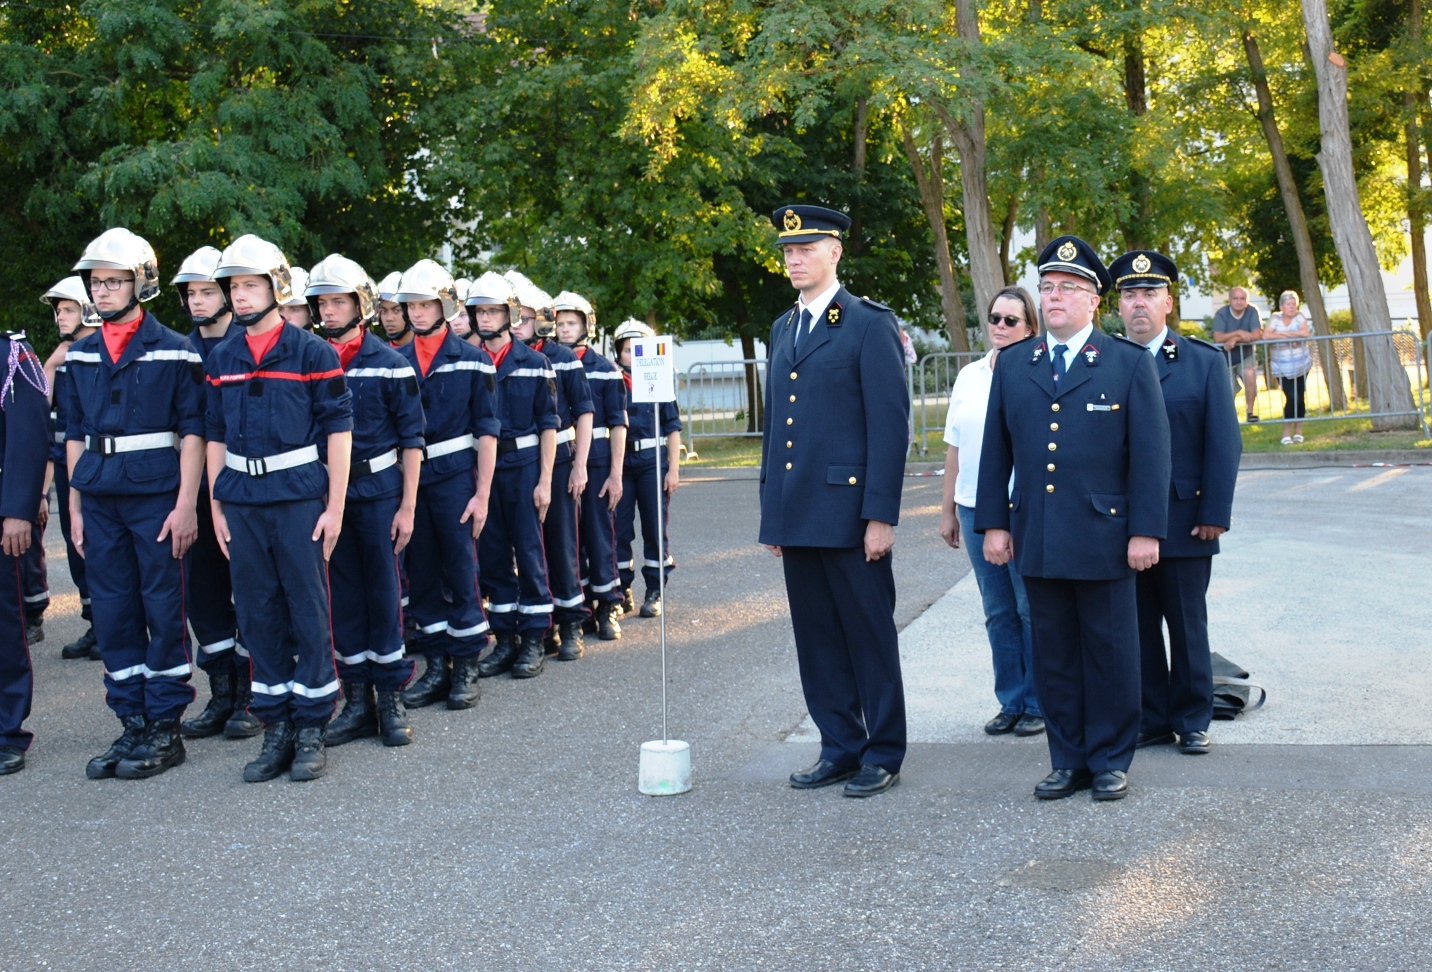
334	333
532	341
109	317
212	319
492	335
249	320
413	327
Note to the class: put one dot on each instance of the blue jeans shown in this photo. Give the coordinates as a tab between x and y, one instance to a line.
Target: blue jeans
1006	611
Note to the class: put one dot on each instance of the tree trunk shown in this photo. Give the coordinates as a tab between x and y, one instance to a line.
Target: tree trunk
1011	213
931	184
755	402
1389	389
1412	105
1293	206
862	134
1136	227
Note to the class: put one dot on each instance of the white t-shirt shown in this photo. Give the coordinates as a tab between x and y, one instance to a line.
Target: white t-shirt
965	422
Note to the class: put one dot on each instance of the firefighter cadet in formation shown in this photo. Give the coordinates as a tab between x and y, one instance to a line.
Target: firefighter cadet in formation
456	382
208	594
569	475
75	318
514	566
639	488
390	313
134	439
597	518
1205	446
275	392
1078	418
382	498
24	451
295	310
459	323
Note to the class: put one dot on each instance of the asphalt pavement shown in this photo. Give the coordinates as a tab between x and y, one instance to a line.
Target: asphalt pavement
512	836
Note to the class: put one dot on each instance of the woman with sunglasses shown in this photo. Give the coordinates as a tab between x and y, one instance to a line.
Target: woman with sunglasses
1012	318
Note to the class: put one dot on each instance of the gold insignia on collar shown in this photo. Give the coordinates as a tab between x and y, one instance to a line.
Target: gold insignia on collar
833	315
791	220
1141	264
1068	251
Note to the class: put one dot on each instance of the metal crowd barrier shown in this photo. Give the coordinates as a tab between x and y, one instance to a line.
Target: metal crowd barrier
714	398
932	380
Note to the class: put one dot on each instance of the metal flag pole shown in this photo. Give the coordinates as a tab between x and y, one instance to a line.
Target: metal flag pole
660	557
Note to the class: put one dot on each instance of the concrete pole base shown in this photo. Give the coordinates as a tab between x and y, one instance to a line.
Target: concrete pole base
665	767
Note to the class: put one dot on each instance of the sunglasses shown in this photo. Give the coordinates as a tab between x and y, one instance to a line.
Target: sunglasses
995	319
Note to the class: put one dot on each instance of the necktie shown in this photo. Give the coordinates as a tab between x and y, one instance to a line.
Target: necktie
803	325
1056	357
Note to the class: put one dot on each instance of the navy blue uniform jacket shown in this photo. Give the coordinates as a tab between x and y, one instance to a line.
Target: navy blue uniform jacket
574	396
642	420
155	386
837	426
387	415
1090	461
609	398
1204	441
526	401
458	399
24	432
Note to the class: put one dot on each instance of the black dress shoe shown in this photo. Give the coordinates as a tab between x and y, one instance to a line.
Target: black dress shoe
1029	725
1063	783
870	781
1111	785
1002	723
1153	739
12	760
1194	743
823	773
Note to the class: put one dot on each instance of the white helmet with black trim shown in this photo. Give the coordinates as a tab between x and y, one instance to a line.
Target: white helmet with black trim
569	301
632	328
388	286
298	283
336	274
533	296
119	249
493	289
198	267
253	256
427	280
72	288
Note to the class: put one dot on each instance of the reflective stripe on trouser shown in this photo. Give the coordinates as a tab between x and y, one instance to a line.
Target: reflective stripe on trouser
367	615
443	556
281	595
599	539
137	595
17	678
77	563
36	577
559	540
514	566
639	493
210	600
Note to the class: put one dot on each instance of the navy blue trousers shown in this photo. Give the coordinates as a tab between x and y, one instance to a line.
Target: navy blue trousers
640	493
36	576
1177	684
843	612
598	523
77	563
514	564
137	596
367	600
17	678
443	593
211	599
559	539
281	596
1086	669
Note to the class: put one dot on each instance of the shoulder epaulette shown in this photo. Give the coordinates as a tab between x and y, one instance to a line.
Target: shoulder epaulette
1198	340
876	304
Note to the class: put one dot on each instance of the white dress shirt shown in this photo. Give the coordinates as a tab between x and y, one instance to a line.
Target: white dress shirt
1153	346
1073	346
965	422
816	307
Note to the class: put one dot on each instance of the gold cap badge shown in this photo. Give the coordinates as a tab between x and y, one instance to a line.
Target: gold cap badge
1068	251
791	220
1141	264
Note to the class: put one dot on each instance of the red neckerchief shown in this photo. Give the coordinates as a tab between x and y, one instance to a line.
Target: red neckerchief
499	356
348	350
427	347
262	344
539	345
626	377
580	351
117	335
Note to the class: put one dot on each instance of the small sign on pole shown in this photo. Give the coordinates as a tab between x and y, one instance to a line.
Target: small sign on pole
653	371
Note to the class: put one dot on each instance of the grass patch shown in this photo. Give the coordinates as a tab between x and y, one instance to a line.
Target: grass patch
728	451
1337	435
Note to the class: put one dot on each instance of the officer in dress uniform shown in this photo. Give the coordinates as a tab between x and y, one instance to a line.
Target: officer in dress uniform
640	489
1078	418
832	470
209	595
75	318
514	565
1205	446
275	391
135	446
569	471
24	450
457	393
600	579
382	499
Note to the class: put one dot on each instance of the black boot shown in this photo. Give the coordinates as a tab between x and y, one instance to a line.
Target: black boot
159	750
651	607
35	631
102	767
529	663
432	687
309	759
466	689
589	623
627	605
242	724
393	726
211	721
81	646
359	717
503	653
572	647
607	627
552	641
275	757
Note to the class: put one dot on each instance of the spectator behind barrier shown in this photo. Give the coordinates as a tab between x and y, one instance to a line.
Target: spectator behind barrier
1236	326
1291	361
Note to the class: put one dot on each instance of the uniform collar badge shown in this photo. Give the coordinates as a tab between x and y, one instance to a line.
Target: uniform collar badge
832	315
1038	353
1091	355
1170	349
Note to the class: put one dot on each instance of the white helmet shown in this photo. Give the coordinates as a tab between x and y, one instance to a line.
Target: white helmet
388	286
569	301
490	289
533	296
198	267
73	288
298	283
427	280
119	249
632	328
250	255
336	274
